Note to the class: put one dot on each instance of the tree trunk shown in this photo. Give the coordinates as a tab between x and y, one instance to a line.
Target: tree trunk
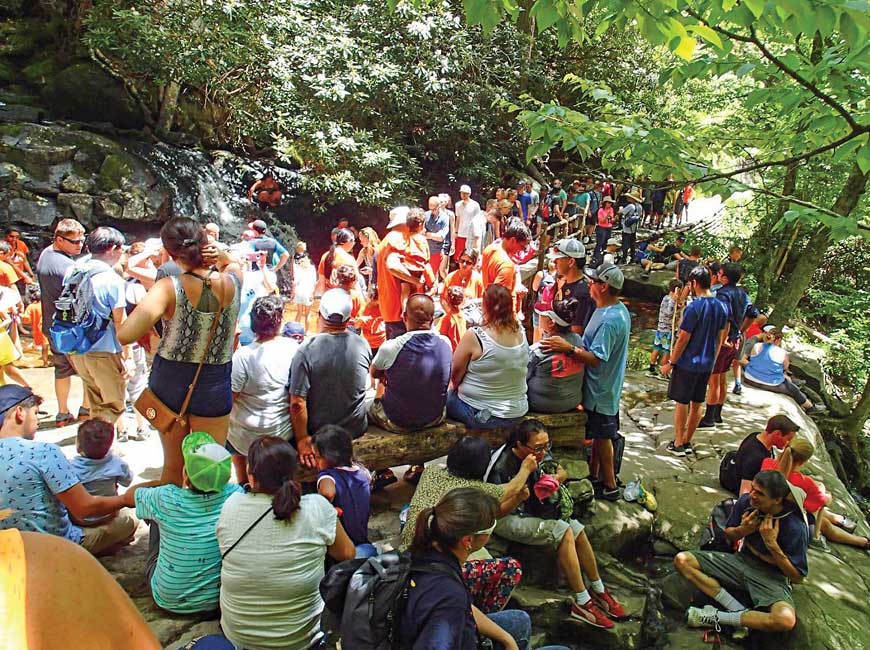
765	238
854	424
168	104
816	249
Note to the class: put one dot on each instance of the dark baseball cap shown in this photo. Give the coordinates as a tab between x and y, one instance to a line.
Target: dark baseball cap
259	225
11	396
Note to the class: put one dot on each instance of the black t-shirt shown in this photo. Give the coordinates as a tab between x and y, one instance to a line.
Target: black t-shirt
685	267
585	305
750	455
506	466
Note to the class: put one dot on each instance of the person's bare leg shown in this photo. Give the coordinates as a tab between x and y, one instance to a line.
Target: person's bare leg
45	356
240	464
569	563
781	618
837	535
586	557
687	565
681	416
694	419
15	375
604	450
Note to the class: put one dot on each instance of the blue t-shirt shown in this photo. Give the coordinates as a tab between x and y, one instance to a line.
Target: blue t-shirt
352	494
417	367
269	245
525	200
109	467
31	474
739	307
606	336
793	533
187	577
437	224
704	318
110	292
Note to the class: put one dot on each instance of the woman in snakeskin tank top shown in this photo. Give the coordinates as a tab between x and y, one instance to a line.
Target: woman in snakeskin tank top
209	287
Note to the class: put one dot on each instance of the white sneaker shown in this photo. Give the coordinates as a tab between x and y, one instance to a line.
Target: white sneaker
707	616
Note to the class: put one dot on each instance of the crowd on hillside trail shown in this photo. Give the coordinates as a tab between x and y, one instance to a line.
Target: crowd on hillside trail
186	338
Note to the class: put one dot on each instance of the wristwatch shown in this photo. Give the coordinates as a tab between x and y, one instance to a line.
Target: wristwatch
572	351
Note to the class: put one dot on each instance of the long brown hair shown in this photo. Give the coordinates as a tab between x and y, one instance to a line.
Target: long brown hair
343	236
498	309
797	452
272	462
460	512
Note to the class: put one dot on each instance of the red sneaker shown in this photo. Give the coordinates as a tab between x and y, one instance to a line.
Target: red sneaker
589	613
608	604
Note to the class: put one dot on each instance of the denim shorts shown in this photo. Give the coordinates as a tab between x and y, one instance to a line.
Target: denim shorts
212	397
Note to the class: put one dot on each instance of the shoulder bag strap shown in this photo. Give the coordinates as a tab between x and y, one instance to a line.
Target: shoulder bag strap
248	530
211	333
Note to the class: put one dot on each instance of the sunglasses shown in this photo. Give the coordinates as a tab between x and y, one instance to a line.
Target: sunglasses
487	531
540	449
72	241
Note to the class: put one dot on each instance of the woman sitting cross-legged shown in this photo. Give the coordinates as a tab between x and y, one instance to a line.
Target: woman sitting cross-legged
489	580
538	523
439	612
274	543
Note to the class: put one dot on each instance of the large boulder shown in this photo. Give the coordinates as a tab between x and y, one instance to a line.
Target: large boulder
651	287
86	93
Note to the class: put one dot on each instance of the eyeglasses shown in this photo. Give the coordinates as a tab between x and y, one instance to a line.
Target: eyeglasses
540	449
72	241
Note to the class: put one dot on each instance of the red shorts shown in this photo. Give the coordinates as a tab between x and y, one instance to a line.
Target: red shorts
460	248
435	262
726	357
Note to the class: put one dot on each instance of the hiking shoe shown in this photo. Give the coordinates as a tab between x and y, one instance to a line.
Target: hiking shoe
84	413
63	419
591	614
608	604
707	616
676	451
611	495
738	389
706	424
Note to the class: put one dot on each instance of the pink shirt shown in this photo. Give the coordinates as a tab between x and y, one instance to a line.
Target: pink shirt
605	216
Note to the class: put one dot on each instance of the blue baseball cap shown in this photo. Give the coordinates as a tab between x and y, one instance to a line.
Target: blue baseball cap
11	395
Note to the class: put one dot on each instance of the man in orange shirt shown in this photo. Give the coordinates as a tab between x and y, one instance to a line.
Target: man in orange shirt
405	238
497	266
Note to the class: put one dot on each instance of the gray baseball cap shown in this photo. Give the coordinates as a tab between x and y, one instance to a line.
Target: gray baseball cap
608	273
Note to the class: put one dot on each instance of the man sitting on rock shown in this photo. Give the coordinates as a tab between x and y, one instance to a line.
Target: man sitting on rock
755	448
773	557
413	365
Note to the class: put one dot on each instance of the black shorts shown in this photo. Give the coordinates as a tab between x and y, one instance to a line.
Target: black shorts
601	427
62	367
687	386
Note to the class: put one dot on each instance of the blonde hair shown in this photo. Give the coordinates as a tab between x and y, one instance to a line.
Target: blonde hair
797	452
371	236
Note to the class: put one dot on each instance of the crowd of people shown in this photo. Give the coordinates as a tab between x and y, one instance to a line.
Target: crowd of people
424	323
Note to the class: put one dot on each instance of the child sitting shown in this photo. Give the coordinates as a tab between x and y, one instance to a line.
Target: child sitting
99	470
452	325
183	566
345	484
662	343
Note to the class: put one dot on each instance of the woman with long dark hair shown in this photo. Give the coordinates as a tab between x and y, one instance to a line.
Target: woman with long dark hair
439	612
274	542
337	255
188	305
489	367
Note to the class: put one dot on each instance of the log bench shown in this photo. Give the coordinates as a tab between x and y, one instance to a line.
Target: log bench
378	449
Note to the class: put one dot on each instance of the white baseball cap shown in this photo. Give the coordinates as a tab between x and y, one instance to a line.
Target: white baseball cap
465	189
335	306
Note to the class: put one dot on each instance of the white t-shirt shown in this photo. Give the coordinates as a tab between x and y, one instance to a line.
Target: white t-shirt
261	374
478	229
304	280
465	212
269	582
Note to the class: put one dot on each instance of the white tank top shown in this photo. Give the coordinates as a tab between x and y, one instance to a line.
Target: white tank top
497	380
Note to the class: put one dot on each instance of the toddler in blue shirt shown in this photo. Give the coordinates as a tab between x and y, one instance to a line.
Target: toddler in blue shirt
99	470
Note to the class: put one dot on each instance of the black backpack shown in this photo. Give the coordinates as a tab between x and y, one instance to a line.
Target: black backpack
729	478
364	598
713	537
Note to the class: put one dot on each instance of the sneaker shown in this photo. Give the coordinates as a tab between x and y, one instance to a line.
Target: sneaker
738	388
122	436
589	613
707	616
63	419
706	424
611	495
139	436
689	449
608	604
676	451
821	543
84	413
846	524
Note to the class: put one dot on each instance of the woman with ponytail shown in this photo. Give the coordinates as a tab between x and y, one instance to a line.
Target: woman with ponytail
439	612
337	255
274	542
831	526
489	367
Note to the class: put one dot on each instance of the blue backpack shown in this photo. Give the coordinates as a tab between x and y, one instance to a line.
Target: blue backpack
75	327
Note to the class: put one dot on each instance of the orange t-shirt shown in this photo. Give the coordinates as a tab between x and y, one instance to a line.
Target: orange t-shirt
8	274
358	302
498	268
342	258
473	286
452	326
389	286
372	327
33	316
18	255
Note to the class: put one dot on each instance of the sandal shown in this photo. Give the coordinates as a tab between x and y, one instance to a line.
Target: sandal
382	478
412	474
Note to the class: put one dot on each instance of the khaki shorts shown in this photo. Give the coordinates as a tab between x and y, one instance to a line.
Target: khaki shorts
379	417
535	531
112	534
764	583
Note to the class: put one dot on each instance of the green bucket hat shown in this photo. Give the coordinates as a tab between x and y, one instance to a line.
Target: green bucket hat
208	464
